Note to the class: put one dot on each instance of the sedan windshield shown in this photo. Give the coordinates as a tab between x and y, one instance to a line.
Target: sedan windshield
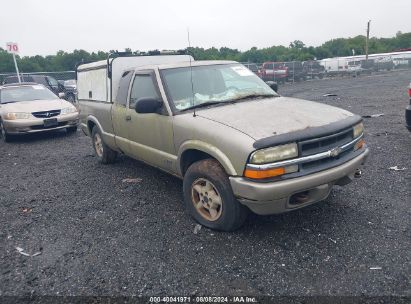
25	93
212	84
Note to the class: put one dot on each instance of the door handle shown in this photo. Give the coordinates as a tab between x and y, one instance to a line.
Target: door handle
128	117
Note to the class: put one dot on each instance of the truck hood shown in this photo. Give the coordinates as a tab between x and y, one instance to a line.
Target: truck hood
35	106
274	116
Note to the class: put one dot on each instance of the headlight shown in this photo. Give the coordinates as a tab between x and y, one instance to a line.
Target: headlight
17	115
358	129
273	154
68	110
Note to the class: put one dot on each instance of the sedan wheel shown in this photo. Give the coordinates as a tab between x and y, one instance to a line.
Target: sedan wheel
3	134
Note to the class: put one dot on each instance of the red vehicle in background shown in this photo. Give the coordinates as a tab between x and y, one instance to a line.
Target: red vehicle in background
273	71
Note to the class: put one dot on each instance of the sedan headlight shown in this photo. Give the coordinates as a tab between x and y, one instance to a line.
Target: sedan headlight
273	154
17	115
358	129
68	110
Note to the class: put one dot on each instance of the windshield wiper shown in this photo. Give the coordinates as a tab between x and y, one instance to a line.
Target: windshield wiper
8	102
201	105
233	100
250	96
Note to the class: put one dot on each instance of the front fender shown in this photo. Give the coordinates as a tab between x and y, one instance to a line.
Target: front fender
209	149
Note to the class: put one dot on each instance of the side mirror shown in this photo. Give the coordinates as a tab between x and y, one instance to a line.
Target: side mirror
273	85
62	95
145	105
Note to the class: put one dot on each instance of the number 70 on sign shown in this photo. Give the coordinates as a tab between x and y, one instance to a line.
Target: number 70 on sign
12	48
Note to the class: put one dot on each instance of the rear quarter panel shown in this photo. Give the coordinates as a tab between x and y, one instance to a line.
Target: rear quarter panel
99	114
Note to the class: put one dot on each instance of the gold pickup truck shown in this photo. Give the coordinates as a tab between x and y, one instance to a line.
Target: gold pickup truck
237	144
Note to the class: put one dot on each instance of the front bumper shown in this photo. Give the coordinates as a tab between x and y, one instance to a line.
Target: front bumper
35	125
278	197
408	117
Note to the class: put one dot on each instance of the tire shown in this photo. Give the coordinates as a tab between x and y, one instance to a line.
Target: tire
3	133
71	129
103	152
204	182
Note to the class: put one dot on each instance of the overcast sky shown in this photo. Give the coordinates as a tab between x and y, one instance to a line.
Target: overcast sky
45	26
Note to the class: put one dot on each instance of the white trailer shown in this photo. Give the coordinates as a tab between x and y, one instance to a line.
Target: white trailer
98	82
338	65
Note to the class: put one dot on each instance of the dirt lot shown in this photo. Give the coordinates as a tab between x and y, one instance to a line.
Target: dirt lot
99	235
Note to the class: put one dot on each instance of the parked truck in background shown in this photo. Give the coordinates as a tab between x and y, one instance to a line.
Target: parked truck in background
313	69
273	71
295	70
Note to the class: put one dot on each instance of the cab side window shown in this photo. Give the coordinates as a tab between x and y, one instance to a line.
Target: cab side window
143	86
123	86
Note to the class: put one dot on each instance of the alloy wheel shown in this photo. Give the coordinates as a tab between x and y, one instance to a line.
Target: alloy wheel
98	145
206	199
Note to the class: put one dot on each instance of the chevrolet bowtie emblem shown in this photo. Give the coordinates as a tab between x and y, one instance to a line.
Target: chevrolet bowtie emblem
335	152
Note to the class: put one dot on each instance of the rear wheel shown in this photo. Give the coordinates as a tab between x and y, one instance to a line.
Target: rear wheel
3	133
209	198
104	153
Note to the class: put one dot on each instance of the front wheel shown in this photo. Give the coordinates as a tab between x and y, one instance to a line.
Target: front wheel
3	133
104	153
209	198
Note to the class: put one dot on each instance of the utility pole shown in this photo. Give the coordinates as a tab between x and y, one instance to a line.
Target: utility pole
366	40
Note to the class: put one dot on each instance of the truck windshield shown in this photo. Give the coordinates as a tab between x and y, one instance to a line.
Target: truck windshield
25	93
212	84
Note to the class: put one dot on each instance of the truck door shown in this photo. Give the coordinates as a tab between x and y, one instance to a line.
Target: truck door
151	135
119	115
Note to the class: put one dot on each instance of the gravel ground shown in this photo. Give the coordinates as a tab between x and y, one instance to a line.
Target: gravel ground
99	235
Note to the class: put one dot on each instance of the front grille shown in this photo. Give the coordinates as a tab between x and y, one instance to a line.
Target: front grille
330	161
46	114
322	144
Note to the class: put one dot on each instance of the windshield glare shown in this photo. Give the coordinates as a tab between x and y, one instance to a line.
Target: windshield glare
25	93
212	83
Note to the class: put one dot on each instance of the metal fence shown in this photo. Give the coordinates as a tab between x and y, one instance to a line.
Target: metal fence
290	71
295	71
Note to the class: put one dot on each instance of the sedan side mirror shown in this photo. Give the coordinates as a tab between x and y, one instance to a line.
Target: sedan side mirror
145	105
62	95
273	85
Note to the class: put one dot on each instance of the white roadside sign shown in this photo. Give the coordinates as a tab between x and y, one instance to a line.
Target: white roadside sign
12	48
